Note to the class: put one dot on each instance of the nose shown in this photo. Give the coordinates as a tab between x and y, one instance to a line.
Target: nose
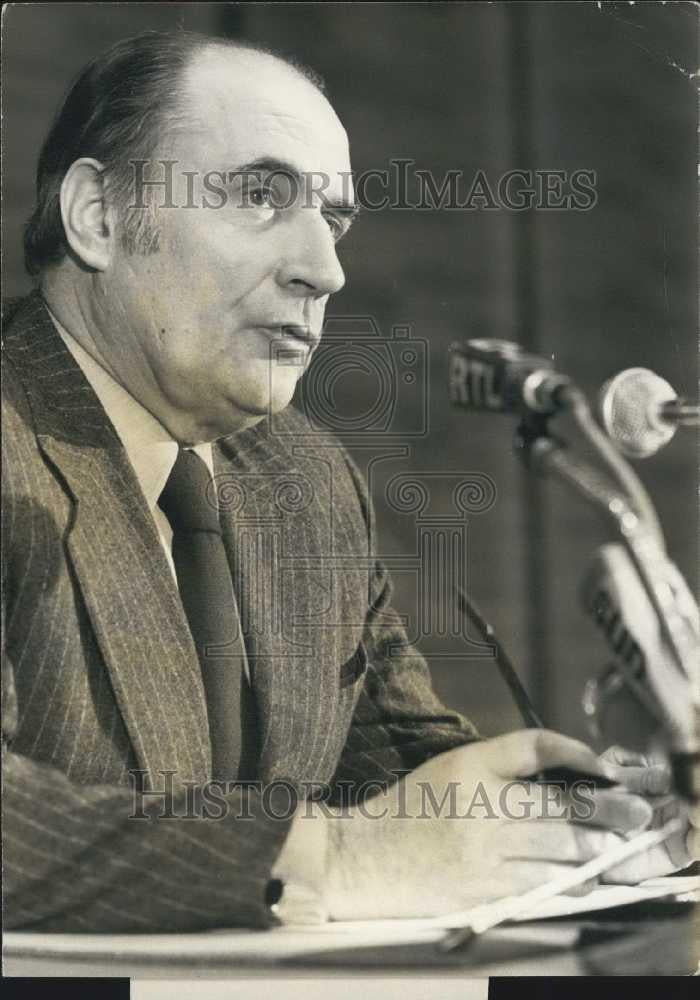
310	265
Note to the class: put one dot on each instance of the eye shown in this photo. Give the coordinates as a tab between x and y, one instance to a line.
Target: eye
335	225
261	197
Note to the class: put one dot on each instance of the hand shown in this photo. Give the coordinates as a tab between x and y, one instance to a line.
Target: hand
462	829
643	774
649	775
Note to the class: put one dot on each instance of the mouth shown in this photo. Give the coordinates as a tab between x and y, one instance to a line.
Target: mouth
299	334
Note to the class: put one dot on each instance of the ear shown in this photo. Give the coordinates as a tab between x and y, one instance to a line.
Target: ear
87	223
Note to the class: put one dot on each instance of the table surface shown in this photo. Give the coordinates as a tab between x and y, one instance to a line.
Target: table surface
658	940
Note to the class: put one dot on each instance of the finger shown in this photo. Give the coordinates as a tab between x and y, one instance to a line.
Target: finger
621	755
609	808
651	779
529	751
520	876
553	841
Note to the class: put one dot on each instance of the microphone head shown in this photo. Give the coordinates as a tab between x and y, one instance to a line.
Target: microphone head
630	406
657	697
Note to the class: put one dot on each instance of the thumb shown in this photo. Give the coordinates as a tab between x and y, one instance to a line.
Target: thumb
624	757
526	752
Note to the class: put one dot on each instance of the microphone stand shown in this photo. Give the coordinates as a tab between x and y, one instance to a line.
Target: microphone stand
548	455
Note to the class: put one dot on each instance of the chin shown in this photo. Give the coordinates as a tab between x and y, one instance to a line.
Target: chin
245	409
241	418
217	429
281	397
279	403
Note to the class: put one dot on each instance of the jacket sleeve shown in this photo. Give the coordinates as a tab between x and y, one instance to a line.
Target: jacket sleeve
399	722
89	858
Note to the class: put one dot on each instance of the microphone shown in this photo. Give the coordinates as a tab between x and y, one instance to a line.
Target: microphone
498	376
656	699
641	412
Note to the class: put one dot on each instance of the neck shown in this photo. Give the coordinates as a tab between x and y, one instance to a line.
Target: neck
68	307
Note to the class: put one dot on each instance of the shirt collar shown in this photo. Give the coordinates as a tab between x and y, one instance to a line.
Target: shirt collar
151	449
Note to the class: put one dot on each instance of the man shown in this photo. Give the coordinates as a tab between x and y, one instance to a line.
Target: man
162	338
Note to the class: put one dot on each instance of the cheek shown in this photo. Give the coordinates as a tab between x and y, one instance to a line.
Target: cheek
183	264
206	258
139	286
206	268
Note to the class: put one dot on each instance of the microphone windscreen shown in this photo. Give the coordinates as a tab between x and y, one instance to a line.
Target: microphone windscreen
630	406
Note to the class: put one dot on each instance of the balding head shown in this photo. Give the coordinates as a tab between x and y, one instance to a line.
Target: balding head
119	110
223	84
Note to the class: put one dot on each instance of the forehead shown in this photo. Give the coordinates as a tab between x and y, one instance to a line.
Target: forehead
249	106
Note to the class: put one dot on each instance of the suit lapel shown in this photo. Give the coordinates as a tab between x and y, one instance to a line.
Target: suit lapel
117	557
276	510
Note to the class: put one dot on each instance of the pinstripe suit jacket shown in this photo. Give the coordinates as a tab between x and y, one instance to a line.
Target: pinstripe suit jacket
101	681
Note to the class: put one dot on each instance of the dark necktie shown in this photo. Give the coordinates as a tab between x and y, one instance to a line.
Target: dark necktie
206	591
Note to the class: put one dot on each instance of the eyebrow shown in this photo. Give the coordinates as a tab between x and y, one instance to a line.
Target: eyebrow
347	209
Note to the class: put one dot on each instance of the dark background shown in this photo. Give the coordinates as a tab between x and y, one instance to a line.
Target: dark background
604	87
